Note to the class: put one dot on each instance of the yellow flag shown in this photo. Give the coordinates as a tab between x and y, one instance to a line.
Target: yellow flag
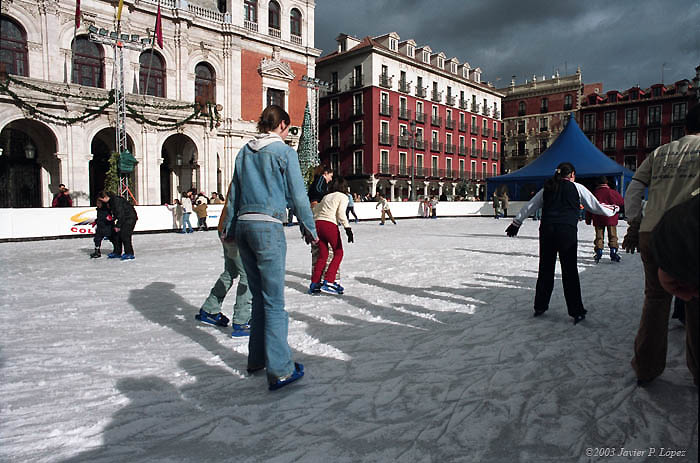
119	10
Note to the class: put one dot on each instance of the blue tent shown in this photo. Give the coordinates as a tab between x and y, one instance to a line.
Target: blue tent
570	146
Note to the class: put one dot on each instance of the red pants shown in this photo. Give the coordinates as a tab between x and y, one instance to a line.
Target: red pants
328	236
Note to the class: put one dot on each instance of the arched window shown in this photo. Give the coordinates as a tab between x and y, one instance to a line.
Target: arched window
152	74
88	63
13	48
295	22
204	84
274	16
250	10
521	108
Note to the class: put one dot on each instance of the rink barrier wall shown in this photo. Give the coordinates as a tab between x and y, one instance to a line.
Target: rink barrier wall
75	222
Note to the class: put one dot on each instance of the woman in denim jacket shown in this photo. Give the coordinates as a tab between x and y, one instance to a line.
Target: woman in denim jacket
266	180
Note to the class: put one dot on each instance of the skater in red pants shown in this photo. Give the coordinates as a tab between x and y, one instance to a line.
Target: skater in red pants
328	214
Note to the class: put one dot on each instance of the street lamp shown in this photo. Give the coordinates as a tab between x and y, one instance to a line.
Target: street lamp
411	131
29	150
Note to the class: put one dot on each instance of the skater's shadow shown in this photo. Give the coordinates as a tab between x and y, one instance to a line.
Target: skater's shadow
160	304
499	253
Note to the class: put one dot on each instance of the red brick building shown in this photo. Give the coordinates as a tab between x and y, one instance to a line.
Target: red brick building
382	90
628	125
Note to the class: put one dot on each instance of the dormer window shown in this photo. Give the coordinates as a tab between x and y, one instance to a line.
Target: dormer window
441	63
426	57
393	44
453	68
411	51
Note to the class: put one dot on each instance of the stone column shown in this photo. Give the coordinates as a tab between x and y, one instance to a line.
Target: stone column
392	184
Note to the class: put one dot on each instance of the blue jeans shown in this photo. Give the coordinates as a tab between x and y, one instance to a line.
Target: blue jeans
233	268
186	222
263	249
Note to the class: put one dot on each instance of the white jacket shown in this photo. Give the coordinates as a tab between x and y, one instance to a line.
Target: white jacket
332	209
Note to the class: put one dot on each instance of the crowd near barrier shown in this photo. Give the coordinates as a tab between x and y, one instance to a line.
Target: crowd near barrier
72	222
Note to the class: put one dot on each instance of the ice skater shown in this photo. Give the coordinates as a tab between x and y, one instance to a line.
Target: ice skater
186	212
330	213
125	218
104	227
201	210
386	211
605	195
351	207
560	200
266	179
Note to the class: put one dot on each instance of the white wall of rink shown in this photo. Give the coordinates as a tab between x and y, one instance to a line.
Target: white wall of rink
75	221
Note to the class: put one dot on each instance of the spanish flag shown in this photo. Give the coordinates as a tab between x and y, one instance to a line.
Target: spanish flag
159	29
77	14
119	10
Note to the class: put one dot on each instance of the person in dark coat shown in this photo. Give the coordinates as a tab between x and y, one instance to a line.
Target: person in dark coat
125	218
605	195
319	186
62	198
104	225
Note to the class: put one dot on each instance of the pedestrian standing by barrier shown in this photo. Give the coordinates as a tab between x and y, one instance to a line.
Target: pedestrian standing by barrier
560	200
186	212
672	175
201	210
266	179
62	198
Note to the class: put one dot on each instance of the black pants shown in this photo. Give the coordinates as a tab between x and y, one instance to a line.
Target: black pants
99	237
123	237
558	239
349	210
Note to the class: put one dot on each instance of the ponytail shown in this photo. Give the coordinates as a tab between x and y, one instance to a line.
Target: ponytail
563	170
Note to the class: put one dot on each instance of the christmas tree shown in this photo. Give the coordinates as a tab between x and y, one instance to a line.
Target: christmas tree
308	154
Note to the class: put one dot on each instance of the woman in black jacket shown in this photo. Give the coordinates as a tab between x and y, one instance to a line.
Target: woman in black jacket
104	225
560	200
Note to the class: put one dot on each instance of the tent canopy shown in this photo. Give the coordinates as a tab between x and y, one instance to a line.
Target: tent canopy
570	146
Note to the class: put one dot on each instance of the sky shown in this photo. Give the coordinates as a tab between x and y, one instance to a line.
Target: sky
621	43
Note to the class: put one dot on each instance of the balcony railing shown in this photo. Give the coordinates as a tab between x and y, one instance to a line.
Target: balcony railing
356	81
449	148
475	152
357	139
386	169
421	91
435	146
420	117
450	100
448	173
463	104
474	130
485	131
419	144
462	150
495	156
462	126
449	124
404	141
496	134
420	171
404	87
296	39
436	96
486	111
275	32
475	107
404	113
250	25
385	81
436	121
385	109
497	114
386	139
485	154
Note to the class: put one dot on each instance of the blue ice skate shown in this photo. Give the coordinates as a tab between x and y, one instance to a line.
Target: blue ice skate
276	383
240	330
332	288
218	319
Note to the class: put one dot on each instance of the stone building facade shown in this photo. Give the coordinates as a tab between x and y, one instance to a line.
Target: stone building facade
55	125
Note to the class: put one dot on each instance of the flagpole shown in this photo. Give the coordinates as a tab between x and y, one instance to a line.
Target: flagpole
153	46
75	37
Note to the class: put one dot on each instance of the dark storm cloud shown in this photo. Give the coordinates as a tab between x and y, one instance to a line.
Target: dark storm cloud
618	42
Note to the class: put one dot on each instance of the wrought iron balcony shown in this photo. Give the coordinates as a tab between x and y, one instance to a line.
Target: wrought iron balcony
448	173
386	169
435	146
419	144
436	96
404	113
496	134
495	156
385	81
404	141
449	148
486	111
421	91
386	109
475	152
497	114
404	87
474	130
436	121
475	107
463	104
462	126
485	131
462	150
420	118
450	100
485	154
386	139
449	124
356	81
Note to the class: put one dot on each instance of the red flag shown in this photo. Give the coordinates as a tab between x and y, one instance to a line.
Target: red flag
159	29
77	14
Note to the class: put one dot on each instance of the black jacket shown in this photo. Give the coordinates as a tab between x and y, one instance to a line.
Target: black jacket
104	222
318	189
122	210
561	206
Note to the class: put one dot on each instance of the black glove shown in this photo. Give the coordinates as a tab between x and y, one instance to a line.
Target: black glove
631	241
351	238
306	234
512	230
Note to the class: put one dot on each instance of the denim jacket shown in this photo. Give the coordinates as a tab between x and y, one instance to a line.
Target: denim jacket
266	180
